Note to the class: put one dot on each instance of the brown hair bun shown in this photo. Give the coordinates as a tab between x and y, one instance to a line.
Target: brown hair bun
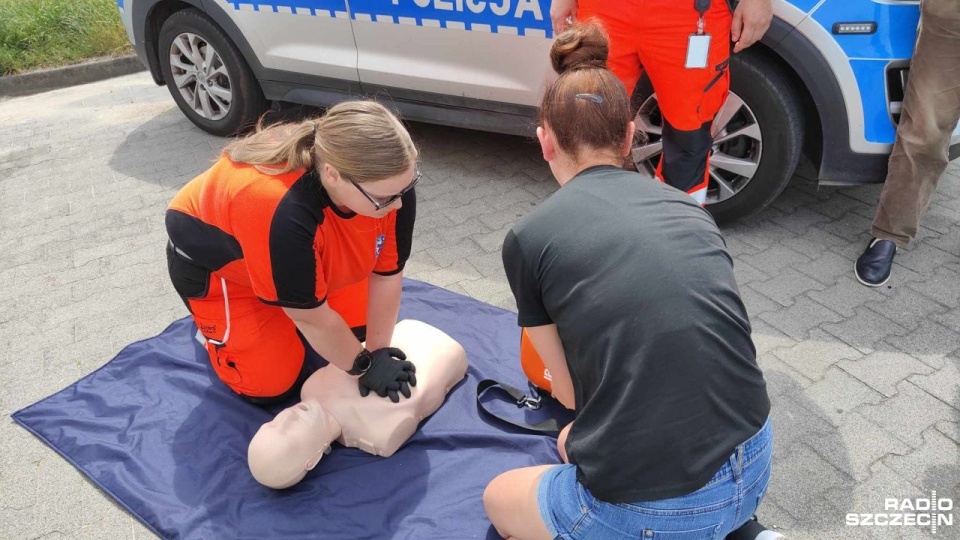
583	46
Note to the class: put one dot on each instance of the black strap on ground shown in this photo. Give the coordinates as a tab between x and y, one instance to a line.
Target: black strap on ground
530	401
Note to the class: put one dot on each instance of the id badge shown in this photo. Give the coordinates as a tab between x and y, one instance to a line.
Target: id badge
698	48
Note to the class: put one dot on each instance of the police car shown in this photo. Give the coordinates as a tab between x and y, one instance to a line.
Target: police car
825	84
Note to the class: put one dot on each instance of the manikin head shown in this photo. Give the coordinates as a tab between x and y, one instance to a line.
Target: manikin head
284	449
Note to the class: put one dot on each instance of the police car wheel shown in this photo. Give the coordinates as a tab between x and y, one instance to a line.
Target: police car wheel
758	137
207	76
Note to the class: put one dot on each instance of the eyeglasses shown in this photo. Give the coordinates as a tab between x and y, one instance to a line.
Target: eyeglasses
380	204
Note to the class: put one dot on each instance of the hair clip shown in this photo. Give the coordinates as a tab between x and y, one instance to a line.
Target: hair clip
591	97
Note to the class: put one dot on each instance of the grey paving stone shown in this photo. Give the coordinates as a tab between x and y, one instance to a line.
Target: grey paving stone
491	241
942	215
907	308
767	338
774	259
847	295
837	394
755	302
802	482
911	412
944	383
853	227
868	495
736	246
883	370
455	252
933	466
22	523
503	218
801	318
794	424
775	518
786	285
815	355
486	289
868	194
864	330
489	264
950	429
949	241
780	377
758	236
793	198
838	206
458	271
941	287
802	219
901	277
813	243
869	440
761	218
931	342
745	273
509	197
456	233
924	258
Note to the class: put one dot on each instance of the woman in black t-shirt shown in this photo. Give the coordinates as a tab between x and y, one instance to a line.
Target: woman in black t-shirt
626	290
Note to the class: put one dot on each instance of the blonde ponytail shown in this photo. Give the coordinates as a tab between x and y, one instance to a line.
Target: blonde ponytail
276	150
361	139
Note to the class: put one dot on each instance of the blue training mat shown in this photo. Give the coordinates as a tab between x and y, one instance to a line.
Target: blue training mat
155	430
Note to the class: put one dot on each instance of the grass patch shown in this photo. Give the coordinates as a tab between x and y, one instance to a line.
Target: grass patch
47	33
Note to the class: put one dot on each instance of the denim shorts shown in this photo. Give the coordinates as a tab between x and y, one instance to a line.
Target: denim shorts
728	500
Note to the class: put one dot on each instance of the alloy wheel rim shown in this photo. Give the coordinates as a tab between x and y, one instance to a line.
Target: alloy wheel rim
200	76
737	146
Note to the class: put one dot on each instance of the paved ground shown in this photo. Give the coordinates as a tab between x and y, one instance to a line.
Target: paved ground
865	383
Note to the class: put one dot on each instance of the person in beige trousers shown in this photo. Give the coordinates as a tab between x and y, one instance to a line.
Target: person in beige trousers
931	110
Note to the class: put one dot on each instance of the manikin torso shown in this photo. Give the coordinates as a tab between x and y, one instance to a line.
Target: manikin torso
284	449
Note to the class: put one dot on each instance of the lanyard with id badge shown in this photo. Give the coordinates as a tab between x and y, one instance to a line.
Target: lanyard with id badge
698	44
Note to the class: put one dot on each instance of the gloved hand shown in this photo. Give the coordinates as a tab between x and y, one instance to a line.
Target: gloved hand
390	374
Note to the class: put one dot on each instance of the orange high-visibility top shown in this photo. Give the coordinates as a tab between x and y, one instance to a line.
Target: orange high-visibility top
282	235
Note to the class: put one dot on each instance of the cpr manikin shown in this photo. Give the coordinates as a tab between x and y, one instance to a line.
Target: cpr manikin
284	449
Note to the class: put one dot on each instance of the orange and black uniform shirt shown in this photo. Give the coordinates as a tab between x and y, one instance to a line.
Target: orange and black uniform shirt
282	236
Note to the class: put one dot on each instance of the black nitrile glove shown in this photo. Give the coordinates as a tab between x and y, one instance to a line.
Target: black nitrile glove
390	374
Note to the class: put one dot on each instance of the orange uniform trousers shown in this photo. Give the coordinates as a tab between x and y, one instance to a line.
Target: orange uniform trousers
651	36
254	347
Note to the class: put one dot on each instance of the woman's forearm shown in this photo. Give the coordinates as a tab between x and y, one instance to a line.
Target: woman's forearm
383	306
328	334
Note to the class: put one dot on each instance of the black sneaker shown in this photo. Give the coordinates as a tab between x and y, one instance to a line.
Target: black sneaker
873	267
753	530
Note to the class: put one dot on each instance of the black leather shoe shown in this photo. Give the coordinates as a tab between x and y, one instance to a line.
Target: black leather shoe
873	267
753	530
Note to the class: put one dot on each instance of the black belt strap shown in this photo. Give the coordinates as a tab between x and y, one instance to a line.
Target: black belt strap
531	401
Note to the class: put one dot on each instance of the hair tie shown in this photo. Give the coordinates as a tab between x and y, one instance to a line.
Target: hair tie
590	97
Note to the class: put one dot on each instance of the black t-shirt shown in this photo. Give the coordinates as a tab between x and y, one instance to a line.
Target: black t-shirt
637	279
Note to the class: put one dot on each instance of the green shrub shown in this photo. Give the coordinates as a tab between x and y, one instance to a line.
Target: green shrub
47	33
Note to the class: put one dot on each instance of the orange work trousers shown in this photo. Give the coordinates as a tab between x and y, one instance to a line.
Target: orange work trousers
254	348
651	36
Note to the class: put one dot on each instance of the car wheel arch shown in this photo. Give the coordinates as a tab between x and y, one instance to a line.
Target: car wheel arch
151	14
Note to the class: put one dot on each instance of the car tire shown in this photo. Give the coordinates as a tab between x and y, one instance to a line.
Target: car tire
221	96
768	107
